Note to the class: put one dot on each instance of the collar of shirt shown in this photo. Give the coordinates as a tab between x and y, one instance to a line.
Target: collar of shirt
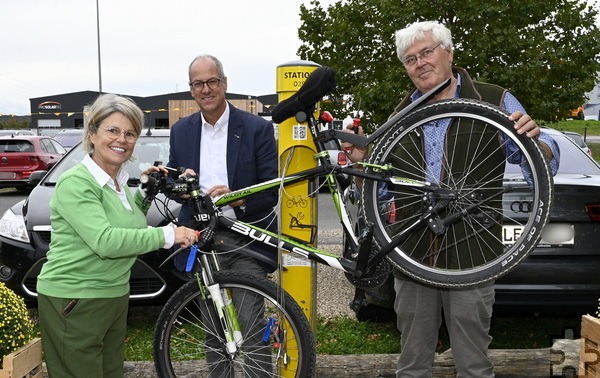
101	176
417	93
104	179
221	124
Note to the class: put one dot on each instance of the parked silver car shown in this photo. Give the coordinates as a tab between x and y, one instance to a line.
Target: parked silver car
578	139
69	138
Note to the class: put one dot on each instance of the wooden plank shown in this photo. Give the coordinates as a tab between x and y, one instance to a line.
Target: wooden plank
589	356
24	362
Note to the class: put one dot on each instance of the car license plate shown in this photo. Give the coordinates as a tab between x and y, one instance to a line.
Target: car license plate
553	235
7	175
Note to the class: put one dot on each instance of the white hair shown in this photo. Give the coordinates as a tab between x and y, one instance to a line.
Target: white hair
416	32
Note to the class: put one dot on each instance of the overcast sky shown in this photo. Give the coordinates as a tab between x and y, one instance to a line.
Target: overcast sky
50	47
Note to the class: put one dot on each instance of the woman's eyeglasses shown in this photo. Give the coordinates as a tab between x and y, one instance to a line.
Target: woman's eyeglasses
115	133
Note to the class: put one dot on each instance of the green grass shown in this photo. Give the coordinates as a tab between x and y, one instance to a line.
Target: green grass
344	335
140	333
595	147
578	126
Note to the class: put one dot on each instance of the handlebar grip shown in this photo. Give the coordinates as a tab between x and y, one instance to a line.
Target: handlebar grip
355	125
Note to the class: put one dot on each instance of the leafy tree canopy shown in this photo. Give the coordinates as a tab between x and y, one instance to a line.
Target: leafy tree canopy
18	122
546	53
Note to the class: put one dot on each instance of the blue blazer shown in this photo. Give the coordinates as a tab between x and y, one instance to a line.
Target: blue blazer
251	159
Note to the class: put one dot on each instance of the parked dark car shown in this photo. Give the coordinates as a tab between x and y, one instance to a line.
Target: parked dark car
562	274
20	155
25	230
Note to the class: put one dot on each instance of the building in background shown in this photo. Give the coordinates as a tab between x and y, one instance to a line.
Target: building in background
67	111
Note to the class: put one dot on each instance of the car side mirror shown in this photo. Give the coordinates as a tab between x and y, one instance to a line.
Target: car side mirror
36	176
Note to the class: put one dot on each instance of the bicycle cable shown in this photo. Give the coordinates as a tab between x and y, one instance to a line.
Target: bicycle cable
281	291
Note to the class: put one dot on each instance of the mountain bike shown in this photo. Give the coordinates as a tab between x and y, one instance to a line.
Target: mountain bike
456	231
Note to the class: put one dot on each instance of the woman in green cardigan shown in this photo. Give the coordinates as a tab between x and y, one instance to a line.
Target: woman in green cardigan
99	227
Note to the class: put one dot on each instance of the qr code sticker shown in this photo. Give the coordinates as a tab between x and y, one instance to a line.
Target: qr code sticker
300	132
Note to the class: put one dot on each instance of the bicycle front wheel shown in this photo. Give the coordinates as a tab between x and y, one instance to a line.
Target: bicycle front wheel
277	338
471	207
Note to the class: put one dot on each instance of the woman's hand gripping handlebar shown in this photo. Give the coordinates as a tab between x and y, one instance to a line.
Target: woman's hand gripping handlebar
154	180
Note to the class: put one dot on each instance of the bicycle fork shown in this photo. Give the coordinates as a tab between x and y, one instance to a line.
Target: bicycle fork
222	300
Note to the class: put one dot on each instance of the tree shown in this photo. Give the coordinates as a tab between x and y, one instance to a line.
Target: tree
546	53
14	122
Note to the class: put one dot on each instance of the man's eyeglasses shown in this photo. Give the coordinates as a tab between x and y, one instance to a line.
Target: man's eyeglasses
411	60
115	133
198	85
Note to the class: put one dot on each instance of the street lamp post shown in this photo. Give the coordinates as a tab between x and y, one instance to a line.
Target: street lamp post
98	32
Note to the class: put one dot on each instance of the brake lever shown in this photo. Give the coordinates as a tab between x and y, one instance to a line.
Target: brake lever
171	256
193	247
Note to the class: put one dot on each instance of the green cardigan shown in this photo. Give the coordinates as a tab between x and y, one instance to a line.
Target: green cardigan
95	239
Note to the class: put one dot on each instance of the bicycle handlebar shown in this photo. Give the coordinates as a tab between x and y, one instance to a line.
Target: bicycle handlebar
156	182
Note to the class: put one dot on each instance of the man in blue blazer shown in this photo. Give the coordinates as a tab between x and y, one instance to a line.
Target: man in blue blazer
228	149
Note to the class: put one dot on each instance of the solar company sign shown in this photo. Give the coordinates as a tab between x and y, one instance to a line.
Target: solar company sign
50	105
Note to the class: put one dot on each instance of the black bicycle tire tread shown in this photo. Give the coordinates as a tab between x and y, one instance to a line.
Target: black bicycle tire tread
263	286
475	107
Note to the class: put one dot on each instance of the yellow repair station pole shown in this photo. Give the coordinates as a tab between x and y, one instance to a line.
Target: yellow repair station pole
298	210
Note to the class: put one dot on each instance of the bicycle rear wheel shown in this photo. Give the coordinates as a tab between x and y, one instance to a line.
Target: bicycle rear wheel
188	331
499	215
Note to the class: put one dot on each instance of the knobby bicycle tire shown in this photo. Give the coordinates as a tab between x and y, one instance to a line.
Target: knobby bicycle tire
484	241
180	336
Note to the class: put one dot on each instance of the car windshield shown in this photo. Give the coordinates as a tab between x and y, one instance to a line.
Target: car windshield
148	149
573	160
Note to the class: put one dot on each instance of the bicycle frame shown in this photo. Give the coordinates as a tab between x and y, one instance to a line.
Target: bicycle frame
359	244
301	248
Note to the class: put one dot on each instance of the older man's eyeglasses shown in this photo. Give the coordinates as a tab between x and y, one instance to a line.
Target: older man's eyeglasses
114	133
198	85
411	60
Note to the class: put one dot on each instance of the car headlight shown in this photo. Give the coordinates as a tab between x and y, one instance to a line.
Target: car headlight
12	226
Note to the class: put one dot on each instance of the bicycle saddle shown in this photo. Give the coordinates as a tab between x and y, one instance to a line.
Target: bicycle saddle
319	83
